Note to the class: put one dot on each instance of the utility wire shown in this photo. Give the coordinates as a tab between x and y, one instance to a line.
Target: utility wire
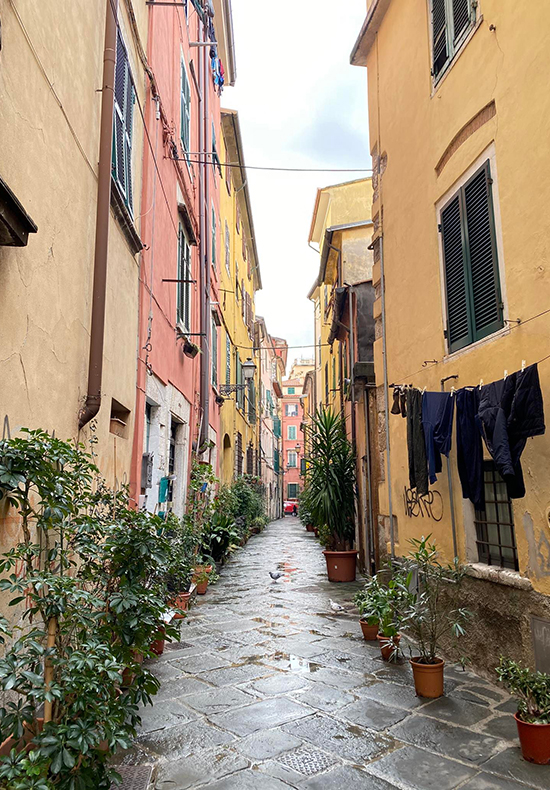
265	167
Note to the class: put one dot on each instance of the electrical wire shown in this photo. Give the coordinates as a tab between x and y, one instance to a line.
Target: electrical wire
265	167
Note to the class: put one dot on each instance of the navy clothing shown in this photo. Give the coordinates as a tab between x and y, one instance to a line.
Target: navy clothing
510	411
418	467
469	447
437	421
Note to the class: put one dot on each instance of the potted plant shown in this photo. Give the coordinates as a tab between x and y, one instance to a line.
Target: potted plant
432	613
331	492
369	617
532	690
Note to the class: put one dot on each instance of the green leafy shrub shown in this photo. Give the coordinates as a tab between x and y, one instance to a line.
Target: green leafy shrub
532	690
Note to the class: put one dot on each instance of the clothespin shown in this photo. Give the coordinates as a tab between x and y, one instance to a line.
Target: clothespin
505	374
453	390
480	383
424	390
522	365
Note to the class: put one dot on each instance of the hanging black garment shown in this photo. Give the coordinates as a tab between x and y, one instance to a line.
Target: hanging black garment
510	411
418	466
437	421
469	447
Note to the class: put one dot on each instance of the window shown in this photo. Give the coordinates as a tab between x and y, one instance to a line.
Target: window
451	22
290	390
121	160
239	380
496	542
185	111
174	425
292	459
184	282
239	454
291	409
276	461
243	298
292	491
251	402
474	307
214	353
227	249
277	427
291	432
326	383
215	158
249	460
334	374
227	360
213	236
302	466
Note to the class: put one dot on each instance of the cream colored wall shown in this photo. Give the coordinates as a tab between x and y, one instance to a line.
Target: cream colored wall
509	65
49	159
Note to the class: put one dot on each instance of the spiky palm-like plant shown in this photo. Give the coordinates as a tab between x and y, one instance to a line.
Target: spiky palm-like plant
330	480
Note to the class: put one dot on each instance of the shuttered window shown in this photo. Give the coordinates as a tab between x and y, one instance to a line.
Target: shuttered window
184	282
214	236
227	360
121	160
474	307
451	21
251	402
185	110
227	249
214	348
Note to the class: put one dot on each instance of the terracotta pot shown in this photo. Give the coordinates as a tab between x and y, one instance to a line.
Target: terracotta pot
181	601
315	529
157	645
388	645
128	676
310	528
370	632
202	587
341	565
428	678
22	743
534	740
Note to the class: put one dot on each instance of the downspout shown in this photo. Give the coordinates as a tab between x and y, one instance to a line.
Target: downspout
370	532
97	327
386	394
358	464
205	293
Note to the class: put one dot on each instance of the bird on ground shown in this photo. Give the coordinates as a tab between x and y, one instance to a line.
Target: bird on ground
336	607
275	575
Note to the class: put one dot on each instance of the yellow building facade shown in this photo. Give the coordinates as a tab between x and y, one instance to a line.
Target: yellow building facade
459	108
239	281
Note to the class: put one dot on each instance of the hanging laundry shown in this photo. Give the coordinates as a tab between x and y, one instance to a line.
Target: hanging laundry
511	411
469	447
418	467
437	421
399	401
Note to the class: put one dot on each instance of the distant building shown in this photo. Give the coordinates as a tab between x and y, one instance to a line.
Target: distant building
293	435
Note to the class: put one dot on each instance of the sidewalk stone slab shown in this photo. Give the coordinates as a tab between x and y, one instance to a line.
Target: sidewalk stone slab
341	679
347	778
180	741
488	782
260	715
416	769
281	683
248	780
323	697
503	726
267	744
232	676
456	711
199	767
180	687
164	714
218	700
372	714
392	694
452	741
511	765
200	663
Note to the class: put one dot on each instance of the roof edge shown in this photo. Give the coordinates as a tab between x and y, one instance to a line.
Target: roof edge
367	34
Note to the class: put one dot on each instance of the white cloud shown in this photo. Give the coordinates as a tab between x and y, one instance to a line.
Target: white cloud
300	104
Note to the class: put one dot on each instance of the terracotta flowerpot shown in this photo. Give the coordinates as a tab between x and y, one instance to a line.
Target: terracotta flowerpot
341	565
428	678
315	529
181	601
534	740
202	587
128	676
370	632
157	645
25	742
388	646
310	528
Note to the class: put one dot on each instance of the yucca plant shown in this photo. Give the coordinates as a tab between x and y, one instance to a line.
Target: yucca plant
331	480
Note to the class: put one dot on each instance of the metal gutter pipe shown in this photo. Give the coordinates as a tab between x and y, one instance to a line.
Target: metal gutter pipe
386	395
207	249
97	327
450	480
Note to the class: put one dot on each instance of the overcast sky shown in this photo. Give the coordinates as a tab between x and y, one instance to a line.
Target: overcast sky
300	104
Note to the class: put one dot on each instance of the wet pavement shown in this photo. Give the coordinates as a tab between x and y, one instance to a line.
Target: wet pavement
269	689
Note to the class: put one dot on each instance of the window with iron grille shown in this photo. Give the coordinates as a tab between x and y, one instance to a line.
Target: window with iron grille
249	460
239	454
121	160
183	290
495	538
227	360
452	20
185	110
472	284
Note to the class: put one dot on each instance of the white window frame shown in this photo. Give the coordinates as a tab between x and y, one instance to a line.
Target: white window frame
454	49
294	455
184	72
292	429
184	321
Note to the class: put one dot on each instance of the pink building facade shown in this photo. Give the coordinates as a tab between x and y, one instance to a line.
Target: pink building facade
293	438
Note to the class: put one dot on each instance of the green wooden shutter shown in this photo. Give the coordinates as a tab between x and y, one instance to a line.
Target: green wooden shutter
214	352
461	17
454	258
227	360
179	290
185	110
483	264
123	124
439	31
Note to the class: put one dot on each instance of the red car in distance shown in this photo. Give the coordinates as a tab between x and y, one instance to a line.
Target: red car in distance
291	507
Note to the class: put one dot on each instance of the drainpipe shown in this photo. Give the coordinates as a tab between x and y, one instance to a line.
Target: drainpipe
386	395
207	254
450	481
97	330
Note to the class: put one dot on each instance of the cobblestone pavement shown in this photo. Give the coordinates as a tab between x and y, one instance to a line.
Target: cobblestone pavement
269	689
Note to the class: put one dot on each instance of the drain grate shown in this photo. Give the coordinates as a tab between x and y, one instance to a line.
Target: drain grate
307	761
134	777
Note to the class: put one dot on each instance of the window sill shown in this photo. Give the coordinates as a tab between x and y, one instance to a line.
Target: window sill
451	355
491	573
124	219
442	76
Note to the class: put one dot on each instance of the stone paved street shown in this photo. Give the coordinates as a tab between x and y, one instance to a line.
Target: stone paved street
269	689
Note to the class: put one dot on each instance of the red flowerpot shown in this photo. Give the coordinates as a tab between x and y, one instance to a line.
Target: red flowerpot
157	645
370	632
534	740
25	742
202	587
181	601
341	565
310	528
388	646
428	678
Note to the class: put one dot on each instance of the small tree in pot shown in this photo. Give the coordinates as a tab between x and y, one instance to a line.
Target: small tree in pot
382	603
331	490
433	613
532	690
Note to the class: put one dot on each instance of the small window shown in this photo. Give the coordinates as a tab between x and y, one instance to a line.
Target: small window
292	490
214	353
291	409
214	240
227	249
472	286
227	360
291	390
291	432
121	160
451	22
120	419
184	282
238	454
251	402
496	541
185	111
302	466
292	459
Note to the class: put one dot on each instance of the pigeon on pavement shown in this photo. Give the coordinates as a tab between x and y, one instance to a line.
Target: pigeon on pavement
336	607
275	575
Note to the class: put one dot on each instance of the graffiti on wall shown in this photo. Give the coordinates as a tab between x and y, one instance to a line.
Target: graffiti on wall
428	505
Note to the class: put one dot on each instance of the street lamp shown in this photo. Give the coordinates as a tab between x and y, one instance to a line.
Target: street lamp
248	369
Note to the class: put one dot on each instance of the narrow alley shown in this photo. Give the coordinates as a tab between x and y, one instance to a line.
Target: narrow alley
270	689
